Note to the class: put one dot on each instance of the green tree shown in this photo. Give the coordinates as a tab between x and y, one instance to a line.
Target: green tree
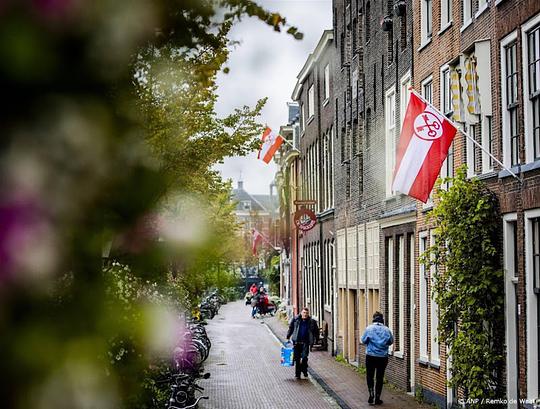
81	161
468	285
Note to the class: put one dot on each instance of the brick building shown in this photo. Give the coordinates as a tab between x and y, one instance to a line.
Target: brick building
288	160
516	53
306	173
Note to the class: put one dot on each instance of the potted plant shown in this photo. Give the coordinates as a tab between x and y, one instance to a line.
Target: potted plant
400	8
386	23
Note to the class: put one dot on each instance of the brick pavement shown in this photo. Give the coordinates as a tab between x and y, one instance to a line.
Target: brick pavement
245	369
347	386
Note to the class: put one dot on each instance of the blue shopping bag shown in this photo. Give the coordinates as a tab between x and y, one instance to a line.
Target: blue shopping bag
287	358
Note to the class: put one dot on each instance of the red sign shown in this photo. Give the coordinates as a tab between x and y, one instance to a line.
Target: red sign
305	219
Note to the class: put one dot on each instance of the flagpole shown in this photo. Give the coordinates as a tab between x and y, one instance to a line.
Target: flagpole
467	136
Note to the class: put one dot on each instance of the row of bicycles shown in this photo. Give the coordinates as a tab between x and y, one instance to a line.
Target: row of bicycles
190	354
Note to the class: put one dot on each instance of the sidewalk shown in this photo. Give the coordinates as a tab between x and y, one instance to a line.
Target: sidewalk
342	382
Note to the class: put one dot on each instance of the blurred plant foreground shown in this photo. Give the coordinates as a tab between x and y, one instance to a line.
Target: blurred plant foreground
112	221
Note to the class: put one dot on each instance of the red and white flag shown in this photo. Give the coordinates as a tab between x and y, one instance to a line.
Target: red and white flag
257	238
271	142
425	138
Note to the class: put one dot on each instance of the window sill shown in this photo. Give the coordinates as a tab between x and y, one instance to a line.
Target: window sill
465	25
327	308
423	361
302	133
326	102
531	166
311	119
398	354
435	365
481	11
504	173
445	27
426	207
424	44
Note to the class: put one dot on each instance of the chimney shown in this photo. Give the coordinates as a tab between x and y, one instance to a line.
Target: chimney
240	185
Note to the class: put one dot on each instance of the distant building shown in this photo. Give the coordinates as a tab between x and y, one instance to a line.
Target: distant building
257	212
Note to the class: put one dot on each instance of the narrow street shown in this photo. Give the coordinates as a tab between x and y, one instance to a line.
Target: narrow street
245	369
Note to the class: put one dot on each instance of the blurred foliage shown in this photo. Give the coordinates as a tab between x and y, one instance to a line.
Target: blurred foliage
109	121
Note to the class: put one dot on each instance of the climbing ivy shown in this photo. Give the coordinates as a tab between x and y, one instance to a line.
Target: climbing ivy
468	285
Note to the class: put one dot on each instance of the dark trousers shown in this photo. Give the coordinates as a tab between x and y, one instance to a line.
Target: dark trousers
301	352
375	363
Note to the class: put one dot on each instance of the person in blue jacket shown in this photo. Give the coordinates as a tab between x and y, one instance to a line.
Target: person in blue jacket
377	337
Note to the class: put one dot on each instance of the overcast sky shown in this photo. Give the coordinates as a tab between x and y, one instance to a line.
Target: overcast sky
266	64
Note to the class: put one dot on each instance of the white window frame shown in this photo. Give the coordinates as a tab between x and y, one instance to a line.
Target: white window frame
390	285
373	253
303	109
434	357
505	116
527	105
487	162
510	306
424	84
341	259
470	150
426	13
404	96
401	294
311	101
423	243
446	14
446	91
532	336
483	5
390	137
467	14
327	82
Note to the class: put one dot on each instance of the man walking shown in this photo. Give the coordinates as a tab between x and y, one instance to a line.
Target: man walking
304	332
377	337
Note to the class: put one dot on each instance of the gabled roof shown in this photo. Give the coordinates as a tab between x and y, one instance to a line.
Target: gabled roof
327	36
259	203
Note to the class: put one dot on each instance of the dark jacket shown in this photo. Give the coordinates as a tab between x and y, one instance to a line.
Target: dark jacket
294	326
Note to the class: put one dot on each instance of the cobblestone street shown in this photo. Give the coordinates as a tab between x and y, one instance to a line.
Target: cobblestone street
244	363
245	368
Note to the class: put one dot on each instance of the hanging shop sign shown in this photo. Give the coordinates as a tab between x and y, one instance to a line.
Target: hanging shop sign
305	219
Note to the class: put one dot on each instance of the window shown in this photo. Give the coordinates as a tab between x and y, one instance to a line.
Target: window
302	108
487	142
311	101
390	146
368	22
427	21
532	89
447	169
510	94
427	89
423	302
400	347
446	91
434	312
467	12
373	253
327	82
446	13
246	205
532	281
510	238
390	284
404	96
